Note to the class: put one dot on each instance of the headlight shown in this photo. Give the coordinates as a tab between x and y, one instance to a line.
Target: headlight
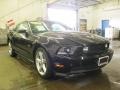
66	50
85	49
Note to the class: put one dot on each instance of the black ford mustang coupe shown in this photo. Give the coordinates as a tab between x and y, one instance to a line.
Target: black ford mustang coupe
56	49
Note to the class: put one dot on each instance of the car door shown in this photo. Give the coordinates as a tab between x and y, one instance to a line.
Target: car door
16	37
22	40
27	41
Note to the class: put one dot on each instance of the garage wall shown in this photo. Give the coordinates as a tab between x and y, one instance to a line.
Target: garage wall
94	14
87	13
19	10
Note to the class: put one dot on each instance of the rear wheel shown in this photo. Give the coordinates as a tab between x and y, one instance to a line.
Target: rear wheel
11	50
43	64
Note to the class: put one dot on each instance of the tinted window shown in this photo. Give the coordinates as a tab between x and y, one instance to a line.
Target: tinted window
57	27
22	26
37	27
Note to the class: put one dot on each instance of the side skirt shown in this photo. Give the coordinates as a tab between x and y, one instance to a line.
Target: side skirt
25	58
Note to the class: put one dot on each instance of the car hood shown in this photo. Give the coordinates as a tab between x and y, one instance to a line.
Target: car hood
75	37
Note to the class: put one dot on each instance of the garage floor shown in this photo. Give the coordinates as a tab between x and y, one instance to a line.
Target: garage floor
16	74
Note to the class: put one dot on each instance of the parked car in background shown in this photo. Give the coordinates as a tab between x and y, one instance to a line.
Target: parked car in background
56	49
3	36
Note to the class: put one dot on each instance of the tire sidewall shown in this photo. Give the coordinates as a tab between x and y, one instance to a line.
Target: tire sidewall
49	72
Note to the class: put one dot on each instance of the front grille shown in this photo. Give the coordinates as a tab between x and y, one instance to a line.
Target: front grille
97	48
92	49
85	65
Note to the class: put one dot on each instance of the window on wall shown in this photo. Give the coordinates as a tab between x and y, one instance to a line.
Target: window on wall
83	24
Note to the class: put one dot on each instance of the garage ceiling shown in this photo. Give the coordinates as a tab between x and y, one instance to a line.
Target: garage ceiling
74	4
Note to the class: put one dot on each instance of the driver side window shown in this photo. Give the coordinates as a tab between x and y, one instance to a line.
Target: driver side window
22	27
37	28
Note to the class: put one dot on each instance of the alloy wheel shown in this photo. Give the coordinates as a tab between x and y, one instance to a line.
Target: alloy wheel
41	63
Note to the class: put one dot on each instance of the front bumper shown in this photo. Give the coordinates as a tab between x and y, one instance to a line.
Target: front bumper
83	63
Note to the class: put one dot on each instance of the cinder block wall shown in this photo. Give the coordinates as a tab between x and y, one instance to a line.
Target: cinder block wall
109	10
20	10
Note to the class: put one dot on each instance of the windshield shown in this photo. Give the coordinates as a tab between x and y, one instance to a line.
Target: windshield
38	27
57	27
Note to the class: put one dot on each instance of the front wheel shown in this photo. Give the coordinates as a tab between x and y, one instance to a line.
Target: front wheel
43	64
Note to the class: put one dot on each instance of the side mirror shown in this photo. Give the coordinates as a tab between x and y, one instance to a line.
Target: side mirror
23	32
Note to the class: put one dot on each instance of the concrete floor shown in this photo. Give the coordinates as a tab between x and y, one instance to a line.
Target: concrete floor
16	74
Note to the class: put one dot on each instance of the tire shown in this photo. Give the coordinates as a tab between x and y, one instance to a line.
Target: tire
42	63
11	50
